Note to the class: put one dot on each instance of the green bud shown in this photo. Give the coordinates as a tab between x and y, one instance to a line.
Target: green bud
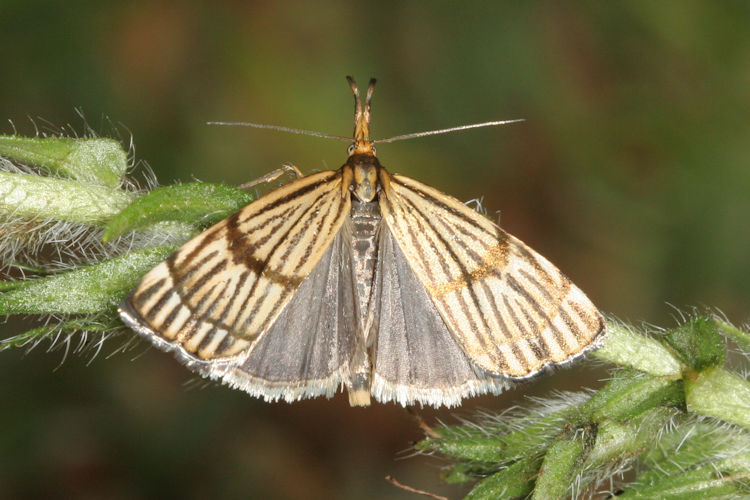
626	348
698	343
34	196
95	160
721	394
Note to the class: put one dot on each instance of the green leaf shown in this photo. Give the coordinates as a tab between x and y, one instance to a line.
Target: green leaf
196	203
9	285
692	443
34	196
698	343
626	398
536	436
721	394
616	441
728	478
557	469
513	482
86	290
459	473
467	447
627	348
94	160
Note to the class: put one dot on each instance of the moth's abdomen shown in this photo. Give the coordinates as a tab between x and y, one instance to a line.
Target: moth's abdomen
365	223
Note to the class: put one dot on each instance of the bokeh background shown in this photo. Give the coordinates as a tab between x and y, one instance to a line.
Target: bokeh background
631	172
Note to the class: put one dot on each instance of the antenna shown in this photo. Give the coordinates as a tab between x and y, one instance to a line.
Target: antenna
362	124
278	128
446	130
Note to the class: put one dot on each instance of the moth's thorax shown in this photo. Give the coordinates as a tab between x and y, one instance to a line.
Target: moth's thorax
364	169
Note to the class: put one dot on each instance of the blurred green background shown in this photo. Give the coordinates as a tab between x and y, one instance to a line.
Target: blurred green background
631	172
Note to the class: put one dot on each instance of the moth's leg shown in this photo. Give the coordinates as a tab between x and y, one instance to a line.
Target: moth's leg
286	168
413	411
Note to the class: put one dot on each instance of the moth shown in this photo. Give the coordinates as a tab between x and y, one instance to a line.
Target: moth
365	280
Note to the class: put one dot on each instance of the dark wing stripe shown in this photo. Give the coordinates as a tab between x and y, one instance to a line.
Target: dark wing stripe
228	307
225	345
464	272
145	294
496	313
323	223
198	286
589	321
539	288
259	301
184	273
204	239
571	326
207	339
202	307
559	337
158	305
244	254
290	197
233	225
171	317
475	255
529	299
438	203
520	356
414	240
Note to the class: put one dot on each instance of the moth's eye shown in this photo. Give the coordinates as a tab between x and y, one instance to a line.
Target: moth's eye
351	148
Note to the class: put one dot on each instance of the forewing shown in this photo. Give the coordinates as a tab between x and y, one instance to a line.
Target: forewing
221	291
509	308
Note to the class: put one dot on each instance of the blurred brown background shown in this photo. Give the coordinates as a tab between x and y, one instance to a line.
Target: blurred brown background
631	173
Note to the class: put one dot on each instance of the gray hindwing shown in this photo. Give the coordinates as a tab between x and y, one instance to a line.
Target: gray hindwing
308	347
416	357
